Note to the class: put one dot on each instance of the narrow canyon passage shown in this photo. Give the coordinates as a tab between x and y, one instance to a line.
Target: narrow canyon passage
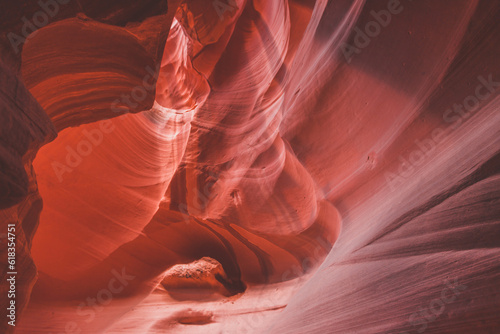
251	166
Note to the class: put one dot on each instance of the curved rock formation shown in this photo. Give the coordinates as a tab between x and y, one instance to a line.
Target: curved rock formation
219	149
24	129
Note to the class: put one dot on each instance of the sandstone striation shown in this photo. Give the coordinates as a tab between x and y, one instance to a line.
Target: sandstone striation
251	166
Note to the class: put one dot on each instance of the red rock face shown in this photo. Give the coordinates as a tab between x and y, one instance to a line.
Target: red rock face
209	154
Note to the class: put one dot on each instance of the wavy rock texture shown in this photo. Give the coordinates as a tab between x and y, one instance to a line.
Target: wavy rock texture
19	20
24	129
256	134
25	124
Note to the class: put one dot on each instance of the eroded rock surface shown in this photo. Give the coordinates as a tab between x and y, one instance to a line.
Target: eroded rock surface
258	134
204	274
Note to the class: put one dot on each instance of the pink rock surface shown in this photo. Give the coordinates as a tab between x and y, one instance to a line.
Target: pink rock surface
338	161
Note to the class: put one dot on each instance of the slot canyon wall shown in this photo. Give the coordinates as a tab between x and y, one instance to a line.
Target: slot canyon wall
250	166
